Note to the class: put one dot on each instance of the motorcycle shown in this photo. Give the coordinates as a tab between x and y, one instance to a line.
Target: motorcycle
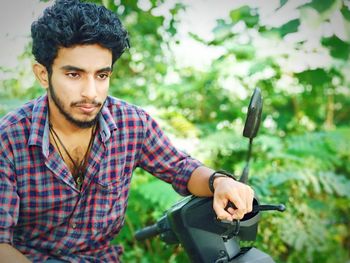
192	221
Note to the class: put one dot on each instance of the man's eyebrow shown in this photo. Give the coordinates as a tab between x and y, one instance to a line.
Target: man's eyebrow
73	68
106	69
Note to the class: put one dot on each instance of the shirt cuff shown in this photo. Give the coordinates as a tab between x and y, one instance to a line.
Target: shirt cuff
181	181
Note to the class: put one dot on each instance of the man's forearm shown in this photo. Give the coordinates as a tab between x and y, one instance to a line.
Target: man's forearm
199	182
9	254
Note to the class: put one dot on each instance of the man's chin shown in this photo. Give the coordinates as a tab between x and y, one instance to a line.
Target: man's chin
84	123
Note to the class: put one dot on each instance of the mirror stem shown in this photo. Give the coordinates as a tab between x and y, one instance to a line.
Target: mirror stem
245	173
250	150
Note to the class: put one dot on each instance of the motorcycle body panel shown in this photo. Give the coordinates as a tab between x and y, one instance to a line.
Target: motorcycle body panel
204	238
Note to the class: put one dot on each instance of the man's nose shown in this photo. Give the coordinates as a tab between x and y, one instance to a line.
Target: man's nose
89	90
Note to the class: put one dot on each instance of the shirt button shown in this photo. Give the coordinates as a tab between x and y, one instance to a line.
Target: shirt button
74	225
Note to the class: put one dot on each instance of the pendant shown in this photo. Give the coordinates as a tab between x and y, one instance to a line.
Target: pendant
79	180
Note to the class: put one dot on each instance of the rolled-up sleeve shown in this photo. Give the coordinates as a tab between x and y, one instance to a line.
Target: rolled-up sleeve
9	200
160	158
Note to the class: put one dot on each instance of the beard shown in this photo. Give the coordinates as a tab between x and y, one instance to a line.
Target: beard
60	105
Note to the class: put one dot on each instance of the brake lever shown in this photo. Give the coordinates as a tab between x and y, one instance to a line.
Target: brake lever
279	207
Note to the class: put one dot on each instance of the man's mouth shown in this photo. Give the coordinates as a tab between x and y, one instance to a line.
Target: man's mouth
87	108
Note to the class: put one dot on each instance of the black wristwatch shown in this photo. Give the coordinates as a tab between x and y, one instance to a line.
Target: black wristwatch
216	174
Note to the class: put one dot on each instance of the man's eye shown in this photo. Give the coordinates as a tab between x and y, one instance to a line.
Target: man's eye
73	75
103	76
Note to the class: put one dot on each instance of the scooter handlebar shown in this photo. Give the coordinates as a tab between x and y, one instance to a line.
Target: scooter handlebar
147	232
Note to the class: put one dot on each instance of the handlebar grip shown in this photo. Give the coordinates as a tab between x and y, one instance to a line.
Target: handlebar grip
147	232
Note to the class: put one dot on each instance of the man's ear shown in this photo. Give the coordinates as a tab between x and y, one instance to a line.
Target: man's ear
41	75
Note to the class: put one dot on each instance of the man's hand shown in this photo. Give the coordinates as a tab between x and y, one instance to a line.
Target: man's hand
9	254
225	190
228	190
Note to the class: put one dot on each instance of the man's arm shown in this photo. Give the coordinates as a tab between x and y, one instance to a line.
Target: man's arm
9	254
226	189
159	157
9	208
198	184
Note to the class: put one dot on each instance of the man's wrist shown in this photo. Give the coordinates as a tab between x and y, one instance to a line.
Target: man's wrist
218	174
218	180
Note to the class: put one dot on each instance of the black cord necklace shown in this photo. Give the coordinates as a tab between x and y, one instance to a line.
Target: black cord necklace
78	169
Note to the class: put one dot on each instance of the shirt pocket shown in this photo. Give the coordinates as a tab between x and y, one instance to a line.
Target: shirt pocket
106	205
107	188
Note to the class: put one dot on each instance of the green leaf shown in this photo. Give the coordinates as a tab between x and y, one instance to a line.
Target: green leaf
320	5
259	65
290	27
197	38
338	48
150	23
315	77
243	52
222	31
333	183
246	14
283	2
345	12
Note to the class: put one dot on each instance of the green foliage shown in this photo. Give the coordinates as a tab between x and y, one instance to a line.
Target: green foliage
312	179
7	105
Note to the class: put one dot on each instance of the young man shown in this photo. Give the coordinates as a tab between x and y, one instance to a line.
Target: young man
66	158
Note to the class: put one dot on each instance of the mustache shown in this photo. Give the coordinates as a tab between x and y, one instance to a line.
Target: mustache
84	102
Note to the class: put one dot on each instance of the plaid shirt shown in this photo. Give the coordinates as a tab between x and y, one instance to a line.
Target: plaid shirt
43	214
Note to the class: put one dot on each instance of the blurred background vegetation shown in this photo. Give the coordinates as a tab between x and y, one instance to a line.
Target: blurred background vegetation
298	53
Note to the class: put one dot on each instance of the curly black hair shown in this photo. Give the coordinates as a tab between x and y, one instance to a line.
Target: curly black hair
68	23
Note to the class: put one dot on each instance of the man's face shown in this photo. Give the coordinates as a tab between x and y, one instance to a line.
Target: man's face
79	83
